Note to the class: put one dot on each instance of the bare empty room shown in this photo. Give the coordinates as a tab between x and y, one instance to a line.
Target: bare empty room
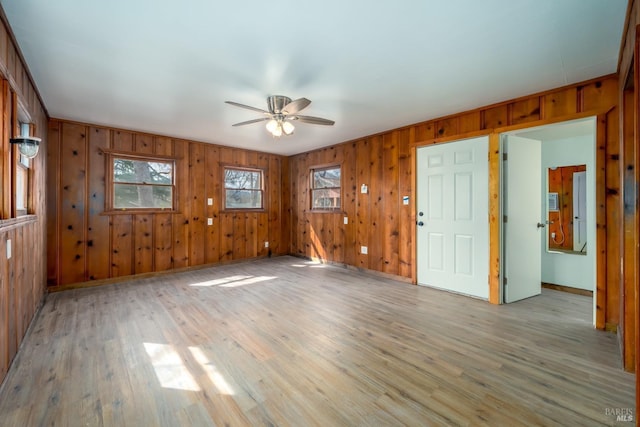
400	213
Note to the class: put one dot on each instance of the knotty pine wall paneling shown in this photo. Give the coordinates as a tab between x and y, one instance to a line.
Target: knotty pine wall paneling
23	275
277	214
198	205
614	215
377	205
213	186
405	214
73	173
360	151
627	216
86	244
98	261
181	219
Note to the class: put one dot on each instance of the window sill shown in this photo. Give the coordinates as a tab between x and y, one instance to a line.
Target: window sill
327	211
248	210
565	251
11	223
139	211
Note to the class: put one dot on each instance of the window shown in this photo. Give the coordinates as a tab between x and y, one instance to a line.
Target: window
22	185
142	183
23	164
325	188
243	188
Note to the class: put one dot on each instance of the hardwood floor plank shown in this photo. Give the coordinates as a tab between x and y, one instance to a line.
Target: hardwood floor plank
286	342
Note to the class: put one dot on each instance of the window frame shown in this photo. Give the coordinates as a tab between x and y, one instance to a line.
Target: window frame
262	190
110	183
22	166
312	189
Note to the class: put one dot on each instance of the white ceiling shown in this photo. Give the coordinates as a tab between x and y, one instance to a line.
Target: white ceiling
570	129
167	67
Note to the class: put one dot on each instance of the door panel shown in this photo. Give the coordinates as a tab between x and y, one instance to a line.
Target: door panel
523	209
579	211
452	193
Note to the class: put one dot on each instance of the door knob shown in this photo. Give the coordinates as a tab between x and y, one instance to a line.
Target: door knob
420	223
420	213
540	225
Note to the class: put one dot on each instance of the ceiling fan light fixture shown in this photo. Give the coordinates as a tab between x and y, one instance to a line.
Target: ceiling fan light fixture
287	127
272	125
277	132
281	111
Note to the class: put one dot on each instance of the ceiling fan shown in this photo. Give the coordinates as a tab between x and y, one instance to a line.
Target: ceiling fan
282	111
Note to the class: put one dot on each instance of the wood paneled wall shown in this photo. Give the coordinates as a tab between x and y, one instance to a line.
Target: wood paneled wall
85	244
377	219
385	162
629	99
22	275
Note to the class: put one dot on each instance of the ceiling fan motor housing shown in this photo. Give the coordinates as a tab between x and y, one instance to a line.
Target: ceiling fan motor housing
277	102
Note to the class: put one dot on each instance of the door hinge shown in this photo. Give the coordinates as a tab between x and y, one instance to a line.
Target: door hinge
504	218
504	156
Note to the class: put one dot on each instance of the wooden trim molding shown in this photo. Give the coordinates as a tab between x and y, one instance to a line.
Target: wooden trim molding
495	291
11	223
568	289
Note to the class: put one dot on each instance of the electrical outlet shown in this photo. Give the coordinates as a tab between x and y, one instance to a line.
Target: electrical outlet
266	244
210	201
209	221
8	248
364	250
553	235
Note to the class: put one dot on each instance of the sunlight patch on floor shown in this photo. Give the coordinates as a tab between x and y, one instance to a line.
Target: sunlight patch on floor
310	264
217	282
248	281
233	281
169	368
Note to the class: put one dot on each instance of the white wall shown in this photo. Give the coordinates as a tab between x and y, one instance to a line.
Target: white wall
578	271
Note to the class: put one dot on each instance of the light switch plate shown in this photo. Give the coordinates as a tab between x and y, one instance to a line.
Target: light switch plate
210	201
346	220
209	221
364	250
8	248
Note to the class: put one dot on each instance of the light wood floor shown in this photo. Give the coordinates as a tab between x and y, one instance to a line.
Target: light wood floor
284	342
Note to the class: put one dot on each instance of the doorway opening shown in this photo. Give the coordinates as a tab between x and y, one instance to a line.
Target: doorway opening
549	209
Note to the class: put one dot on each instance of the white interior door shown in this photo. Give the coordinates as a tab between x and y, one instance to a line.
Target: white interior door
579	211
522	206
453	225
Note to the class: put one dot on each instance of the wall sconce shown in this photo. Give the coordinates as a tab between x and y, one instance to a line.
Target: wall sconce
27	145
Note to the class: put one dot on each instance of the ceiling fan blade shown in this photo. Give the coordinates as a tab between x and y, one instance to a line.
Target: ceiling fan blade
295	106
247	107
314	120
248	122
